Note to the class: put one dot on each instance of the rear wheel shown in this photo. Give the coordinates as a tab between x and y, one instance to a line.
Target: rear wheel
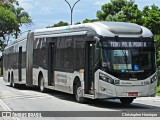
42	87
9	80
11	84
79	93
126	101
14	85
12	81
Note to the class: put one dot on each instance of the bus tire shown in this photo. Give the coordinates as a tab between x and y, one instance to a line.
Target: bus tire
41	85
79	93
126	101
12	81
9	80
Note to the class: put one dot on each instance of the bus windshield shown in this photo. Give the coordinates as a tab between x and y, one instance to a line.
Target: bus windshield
128	59
132	60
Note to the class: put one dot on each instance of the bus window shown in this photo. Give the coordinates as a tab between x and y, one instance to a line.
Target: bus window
60	53
69	51
79	52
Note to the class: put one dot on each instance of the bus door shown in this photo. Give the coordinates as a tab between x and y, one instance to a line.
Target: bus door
89	67
20	64
51	63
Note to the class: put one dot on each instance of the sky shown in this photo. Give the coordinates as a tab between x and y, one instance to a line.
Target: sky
48	12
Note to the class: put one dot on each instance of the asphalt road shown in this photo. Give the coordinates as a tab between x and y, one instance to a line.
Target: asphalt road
30	99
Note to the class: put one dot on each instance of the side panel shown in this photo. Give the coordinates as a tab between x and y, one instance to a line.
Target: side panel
22	63
69	61
40	61
15	62
29	59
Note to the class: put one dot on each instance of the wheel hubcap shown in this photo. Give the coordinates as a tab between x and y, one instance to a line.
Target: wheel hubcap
42	85
79	92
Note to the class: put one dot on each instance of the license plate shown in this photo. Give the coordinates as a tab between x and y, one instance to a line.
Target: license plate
133	94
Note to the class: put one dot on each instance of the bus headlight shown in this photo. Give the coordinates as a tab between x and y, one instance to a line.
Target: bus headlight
106	78
153	79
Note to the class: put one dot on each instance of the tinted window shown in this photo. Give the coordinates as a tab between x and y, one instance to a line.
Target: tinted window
69	53
60	52
79	52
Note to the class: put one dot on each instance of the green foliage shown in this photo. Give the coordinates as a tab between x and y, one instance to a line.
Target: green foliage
152	18
111	8
158	73
10	1
7	25
12	17
22	17
8	22
61	23
90	21
158	91
157	39
158	85
77	23
122	11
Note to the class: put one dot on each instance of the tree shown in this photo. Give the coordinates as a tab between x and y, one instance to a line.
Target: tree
90	21
77	23
61	23
122	11
152	18
12	17
111	8
22	18
8	22
9	1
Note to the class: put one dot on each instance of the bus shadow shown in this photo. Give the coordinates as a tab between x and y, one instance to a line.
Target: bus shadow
116	105
104	103
24	87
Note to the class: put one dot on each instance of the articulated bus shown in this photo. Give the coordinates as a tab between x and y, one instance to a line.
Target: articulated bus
101	60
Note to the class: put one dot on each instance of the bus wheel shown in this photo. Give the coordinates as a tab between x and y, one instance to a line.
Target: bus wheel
10	84
42	88
14	85
79	93
9	80
126	101
12	81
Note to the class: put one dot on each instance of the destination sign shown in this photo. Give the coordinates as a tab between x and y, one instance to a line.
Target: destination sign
127	44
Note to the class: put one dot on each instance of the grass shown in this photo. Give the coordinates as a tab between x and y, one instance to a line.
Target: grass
158	87
158	91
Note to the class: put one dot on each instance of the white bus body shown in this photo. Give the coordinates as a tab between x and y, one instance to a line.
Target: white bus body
93	60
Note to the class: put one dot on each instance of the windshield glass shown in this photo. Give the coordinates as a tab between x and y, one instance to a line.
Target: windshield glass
129	59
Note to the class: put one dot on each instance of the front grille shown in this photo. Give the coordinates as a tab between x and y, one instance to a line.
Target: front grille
135	75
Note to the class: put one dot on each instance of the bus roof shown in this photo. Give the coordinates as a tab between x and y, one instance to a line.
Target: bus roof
107	29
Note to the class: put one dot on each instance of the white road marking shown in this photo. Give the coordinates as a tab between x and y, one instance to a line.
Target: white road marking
24	95
6	108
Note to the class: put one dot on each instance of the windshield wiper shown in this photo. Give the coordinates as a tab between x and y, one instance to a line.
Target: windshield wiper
125	59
